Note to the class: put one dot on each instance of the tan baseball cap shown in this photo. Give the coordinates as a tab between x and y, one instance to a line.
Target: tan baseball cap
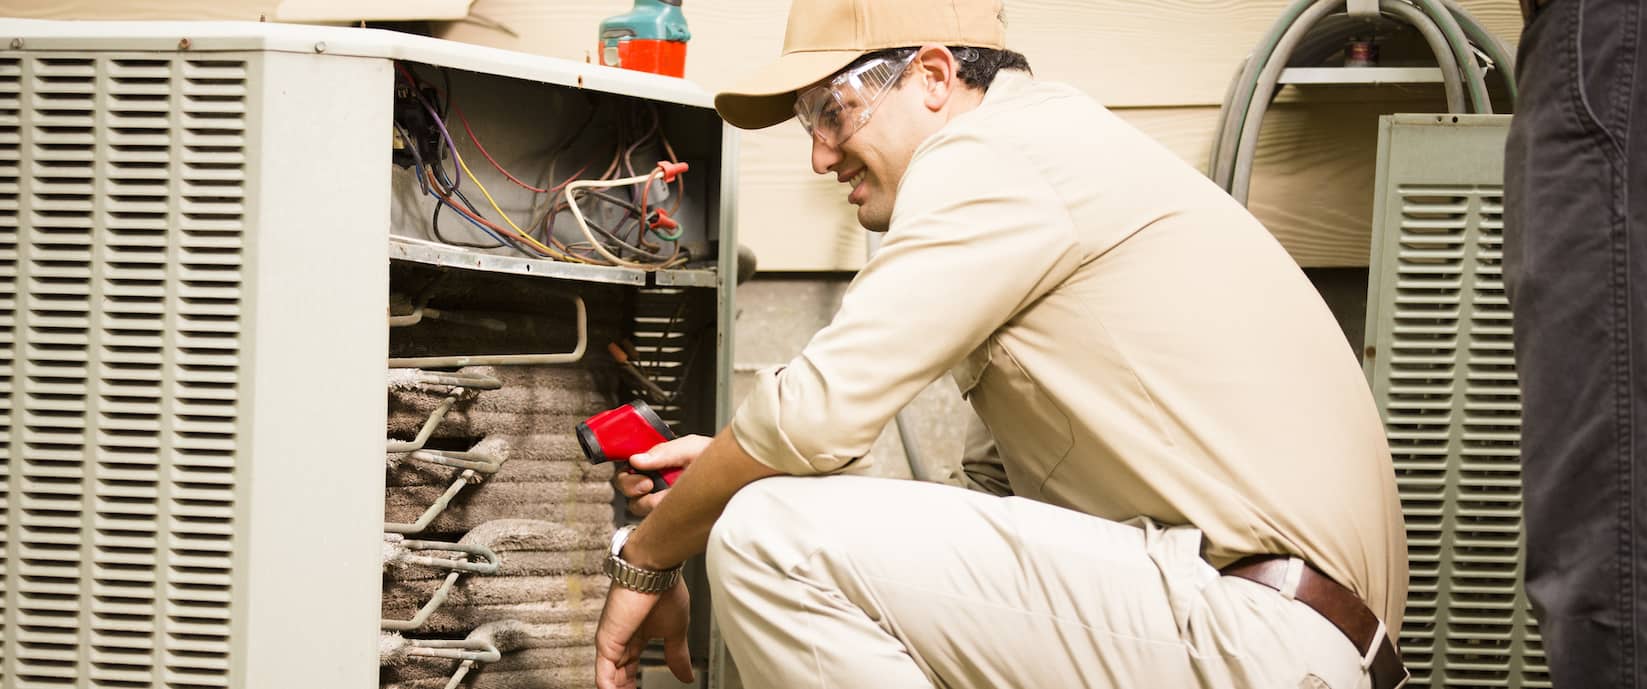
827	35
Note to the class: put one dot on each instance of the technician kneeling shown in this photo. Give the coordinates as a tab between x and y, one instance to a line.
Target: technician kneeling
1201	491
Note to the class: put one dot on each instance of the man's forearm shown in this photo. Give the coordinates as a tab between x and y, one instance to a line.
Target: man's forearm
679	528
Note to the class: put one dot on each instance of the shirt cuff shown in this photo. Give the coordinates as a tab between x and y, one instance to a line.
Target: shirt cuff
759	428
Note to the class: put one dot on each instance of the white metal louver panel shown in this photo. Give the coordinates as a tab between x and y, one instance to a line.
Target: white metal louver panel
160	297
1441	363
130	333
10	138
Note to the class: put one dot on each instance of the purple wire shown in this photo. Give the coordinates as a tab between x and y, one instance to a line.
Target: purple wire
442	125
438	122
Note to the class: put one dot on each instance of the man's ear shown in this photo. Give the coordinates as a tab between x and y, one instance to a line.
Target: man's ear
937	69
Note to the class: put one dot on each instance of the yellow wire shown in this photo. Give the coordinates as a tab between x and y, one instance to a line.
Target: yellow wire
523	234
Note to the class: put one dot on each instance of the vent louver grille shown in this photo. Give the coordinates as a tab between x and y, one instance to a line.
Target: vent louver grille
121	229
10	139
1454	422
1444	374
663	333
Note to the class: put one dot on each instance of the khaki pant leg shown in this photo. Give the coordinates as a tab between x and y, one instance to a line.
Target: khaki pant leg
857	582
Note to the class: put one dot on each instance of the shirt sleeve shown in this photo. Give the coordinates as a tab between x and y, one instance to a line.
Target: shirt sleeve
977	235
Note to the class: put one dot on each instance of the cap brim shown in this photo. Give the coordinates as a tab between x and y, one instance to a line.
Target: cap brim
767	97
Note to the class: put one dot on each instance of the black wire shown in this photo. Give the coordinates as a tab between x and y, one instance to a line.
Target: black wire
633	208
417	91
625	245
434	219
554	210
446	107
451	190
434	224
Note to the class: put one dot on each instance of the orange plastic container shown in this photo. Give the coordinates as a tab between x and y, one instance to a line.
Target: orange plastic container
647	55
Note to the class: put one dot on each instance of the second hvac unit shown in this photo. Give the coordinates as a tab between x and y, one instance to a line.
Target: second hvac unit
1441	362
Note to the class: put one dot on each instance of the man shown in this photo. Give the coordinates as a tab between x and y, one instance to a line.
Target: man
1575	222
1169	396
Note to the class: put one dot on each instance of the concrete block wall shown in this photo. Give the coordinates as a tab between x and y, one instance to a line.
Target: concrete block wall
779	313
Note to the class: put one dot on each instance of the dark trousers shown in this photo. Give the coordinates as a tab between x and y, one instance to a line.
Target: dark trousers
1576	266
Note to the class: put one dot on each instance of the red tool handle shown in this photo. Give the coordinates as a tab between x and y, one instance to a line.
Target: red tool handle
616	435
661	480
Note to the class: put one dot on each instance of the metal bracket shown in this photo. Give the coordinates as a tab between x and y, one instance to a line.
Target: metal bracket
1364	9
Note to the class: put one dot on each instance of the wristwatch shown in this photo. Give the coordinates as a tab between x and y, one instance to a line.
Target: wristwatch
637	578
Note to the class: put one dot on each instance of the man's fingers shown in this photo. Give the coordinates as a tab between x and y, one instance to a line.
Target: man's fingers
633	485
673	454
609	676
676	654
643	506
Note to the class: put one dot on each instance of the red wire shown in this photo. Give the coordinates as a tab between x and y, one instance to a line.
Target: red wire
494	162
647	187
489	157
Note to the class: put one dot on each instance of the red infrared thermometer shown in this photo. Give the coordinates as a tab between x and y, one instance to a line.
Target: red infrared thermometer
616	435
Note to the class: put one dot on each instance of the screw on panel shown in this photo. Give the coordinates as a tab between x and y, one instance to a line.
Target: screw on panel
16	44
184	44
320	47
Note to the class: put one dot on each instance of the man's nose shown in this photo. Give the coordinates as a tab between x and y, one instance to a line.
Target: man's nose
824	156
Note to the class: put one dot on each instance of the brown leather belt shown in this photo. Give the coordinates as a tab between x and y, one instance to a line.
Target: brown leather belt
1340	606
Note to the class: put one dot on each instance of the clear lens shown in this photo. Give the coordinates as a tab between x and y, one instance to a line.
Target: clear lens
833	111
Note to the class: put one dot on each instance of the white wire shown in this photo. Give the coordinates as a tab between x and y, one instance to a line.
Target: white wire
577	213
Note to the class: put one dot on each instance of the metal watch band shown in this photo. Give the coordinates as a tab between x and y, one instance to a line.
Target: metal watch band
636	578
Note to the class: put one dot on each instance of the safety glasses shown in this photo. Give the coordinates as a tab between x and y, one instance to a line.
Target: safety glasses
835	110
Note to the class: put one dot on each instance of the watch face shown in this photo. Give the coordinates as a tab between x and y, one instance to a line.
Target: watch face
620	537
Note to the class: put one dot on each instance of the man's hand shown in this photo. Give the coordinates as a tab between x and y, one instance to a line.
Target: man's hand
679	452
631	619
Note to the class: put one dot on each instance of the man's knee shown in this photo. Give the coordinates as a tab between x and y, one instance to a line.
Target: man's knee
756	525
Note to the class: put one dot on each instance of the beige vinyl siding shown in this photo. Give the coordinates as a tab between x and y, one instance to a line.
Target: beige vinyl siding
1161	64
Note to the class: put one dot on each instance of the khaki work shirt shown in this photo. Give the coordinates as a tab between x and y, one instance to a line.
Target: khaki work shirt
1135	341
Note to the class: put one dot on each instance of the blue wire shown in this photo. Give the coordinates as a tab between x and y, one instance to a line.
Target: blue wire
458	211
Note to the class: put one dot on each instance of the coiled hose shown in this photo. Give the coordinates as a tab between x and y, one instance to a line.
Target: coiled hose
1452	34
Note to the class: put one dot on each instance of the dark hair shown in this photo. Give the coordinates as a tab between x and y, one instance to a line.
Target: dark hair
978	72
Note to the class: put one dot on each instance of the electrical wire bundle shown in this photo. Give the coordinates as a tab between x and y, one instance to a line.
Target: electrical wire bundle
1453	35
629	242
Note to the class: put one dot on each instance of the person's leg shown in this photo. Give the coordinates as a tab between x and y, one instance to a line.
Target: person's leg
1576	266
857	582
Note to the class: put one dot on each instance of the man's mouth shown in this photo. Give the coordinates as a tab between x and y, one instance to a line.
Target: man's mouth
856	183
